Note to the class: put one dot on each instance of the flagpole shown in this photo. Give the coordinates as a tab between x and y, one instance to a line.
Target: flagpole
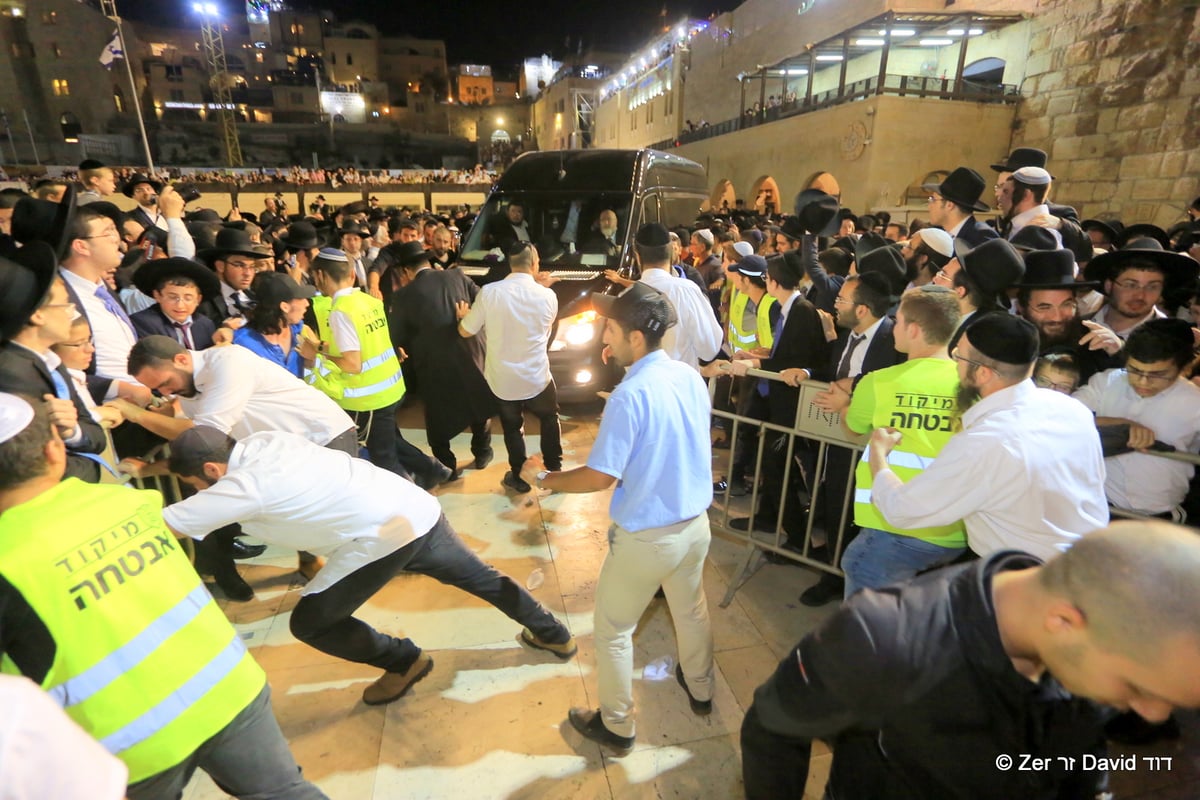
137	103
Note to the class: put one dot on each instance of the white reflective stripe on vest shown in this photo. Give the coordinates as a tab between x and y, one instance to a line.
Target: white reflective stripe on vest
133	652
377	361
374	388
862	496
902	458
178	701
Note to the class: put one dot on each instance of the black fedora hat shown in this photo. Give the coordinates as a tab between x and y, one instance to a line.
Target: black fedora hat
1112	228
994	266
25	280
1022	157
301	235
136	180
409	254
150	276
1051	269
355	228
1177	268
887	262
868	243
230	242
36	220
1034	237
792	228
1142	230
963	186
817	212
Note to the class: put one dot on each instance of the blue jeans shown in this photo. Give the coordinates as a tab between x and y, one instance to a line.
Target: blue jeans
877	558
323	620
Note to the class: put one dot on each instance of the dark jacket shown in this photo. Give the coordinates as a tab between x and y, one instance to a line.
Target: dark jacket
22	371
825	287
800	344
881	352
153	322
975	233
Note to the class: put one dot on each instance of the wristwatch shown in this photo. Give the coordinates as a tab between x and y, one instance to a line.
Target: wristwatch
541	476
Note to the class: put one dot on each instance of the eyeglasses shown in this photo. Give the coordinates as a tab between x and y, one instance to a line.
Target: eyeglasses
933	198
107	233
1046	383
1149	377
1134	286
60	305
959	357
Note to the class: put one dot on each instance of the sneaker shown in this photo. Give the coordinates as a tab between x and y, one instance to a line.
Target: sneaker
514	482
588	723
719	487
391	686
701	707
484	458
563	651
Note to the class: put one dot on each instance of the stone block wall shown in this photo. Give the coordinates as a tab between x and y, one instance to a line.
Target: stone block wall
1112	93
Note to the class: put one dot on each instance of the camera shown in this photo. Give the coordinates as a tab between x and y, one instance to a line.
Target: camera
188	192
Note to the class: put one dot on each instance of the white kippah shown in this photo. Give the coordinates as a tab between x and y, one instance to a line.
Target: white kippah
705	234
1032	176
938	241
15	416
743	249
332	254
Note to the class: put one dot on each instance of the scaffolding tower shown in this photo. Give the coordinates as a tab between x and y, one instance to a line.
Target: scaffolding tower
218	70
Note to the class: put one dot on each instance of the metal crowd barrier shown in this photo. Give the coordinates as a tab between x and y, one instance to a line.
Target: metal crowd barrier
812	424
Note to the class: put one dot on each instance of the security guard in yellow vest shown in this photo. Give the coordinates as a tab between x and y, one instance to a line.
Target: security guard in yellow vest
100	606
358	367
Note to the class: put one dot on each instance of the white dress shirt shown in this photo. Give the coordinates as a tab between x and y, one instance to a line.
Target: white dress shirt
517	315
240	392
1101	316
697	336
1139	481
286	490
860	353
114	339
1025	473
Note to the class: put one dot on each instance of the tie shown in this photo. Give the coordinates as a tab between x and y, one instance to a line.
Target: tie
114	308
183	332
843	370
61	390
242	304
776	330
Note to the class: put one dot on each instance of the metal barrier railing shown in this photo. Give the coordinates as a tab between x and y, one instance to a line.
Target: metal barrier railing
811	424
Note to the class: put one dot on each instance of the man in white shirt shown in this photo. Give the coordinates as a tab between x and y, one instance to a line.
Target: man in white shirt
370	523
698	335
1135	279
1025	472
517	314
1022	199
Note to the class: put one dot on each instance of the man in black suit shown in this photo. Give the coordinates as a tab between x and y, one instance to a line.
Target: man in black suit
952	202
504	231
233	259
604	240
35	313
800	345
144	191
177	285
448	369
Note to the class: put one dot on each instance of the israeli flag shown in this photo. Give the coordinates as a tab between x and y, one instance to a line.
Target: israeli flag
111	51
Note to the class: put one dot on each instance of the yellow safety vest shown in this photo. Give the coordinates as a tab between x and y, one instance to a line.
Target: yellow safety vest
918	399
761	336
380	383
144	661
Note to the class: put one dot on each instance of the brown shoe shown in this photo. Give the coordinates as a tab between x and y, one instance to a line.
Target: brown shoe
309	569
563	651
392	685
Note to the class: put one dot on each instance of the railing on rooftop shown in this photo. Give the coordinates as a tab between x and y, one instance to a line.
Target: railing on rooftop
898	85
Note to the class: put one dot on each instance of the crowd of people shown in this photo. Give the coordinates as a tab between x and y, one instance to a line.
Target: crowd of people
1013	380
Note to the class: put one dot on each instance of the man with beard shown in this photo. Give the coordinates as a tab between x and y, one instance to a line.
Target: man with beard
1135	279
1023	201
981	276
442	254
925	254
604	241
952	202
1026	471
1047	297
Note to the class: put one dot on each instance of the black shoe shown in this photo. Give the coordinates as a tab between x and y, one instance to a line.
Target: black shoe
761	523
719	487
777	558
514	482
1131	729
701	707
738	488
830	587
435	477
233	584
588	723
239	549
484	458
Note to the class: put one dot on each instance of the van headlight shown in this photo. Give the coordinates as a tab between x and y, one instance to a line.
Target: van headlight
575	331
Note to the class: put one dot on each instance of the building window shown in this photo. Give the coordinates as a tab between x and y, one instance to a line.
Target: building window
50	17
176	95
61	87
297	29
174	73
349	59
258	57
119	99
22	50
56	50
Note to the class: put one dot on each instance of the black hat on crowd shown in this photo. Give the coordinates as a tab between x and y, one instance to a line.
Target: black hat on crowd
1111	228
25	280
962	187
1001	337
231	242
35	220
301	235
150	276
1051	269
137	179
994	266
1142	230
1022	157
889	264
1178	269
817	212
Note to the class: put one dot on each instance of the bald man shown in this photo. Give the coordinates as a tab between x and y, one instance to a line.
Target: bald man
940	687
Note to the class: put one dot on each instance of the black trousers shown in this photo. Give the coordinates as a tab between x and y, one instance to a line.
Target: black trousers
544	406
481	442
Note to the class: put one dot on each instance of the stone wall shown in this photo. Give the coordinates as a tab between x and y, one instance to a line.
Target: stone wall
1112	93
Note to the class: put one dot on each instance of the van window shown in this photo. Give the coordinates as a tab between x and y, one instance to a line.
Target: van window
565	226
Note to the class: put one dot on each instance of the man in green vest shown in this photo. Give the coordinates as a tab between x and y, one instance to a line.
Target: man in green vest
916	397
358	367
102	609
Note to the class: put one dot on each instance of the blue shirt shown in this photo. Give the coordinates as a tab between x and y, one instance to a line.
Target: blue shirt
654	438
254	341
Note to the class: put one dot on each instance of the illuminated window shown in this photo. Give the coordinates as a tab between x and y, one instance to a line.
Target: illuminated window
50	17
61	87
258	57
297	29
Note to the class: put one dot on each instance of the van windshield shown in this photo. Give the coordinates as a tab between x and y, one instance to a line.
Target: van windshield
569	229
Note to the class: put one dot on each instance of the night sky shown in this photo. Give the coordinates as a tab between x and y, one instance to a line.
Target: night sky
489	31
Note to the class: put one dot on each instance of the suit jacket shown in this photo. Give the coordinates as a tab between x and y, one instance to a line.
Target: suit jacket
975	233
448	368
153	322
22	371
881	352
801	344
144	219
825	287
215	309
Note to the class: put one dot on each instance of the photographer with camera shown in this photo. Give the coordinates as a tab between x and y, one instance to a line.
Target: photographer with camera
161	207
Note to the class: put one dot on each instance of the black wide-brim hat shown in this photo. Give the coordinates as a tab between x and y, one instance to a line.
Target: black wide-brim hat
1112	228
36	220
1022	157
1051	269
817	212
301	235
1178	269
408	254
25	280
150	275
994	265
231	242
887	262
964	186
1142	230
136	179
